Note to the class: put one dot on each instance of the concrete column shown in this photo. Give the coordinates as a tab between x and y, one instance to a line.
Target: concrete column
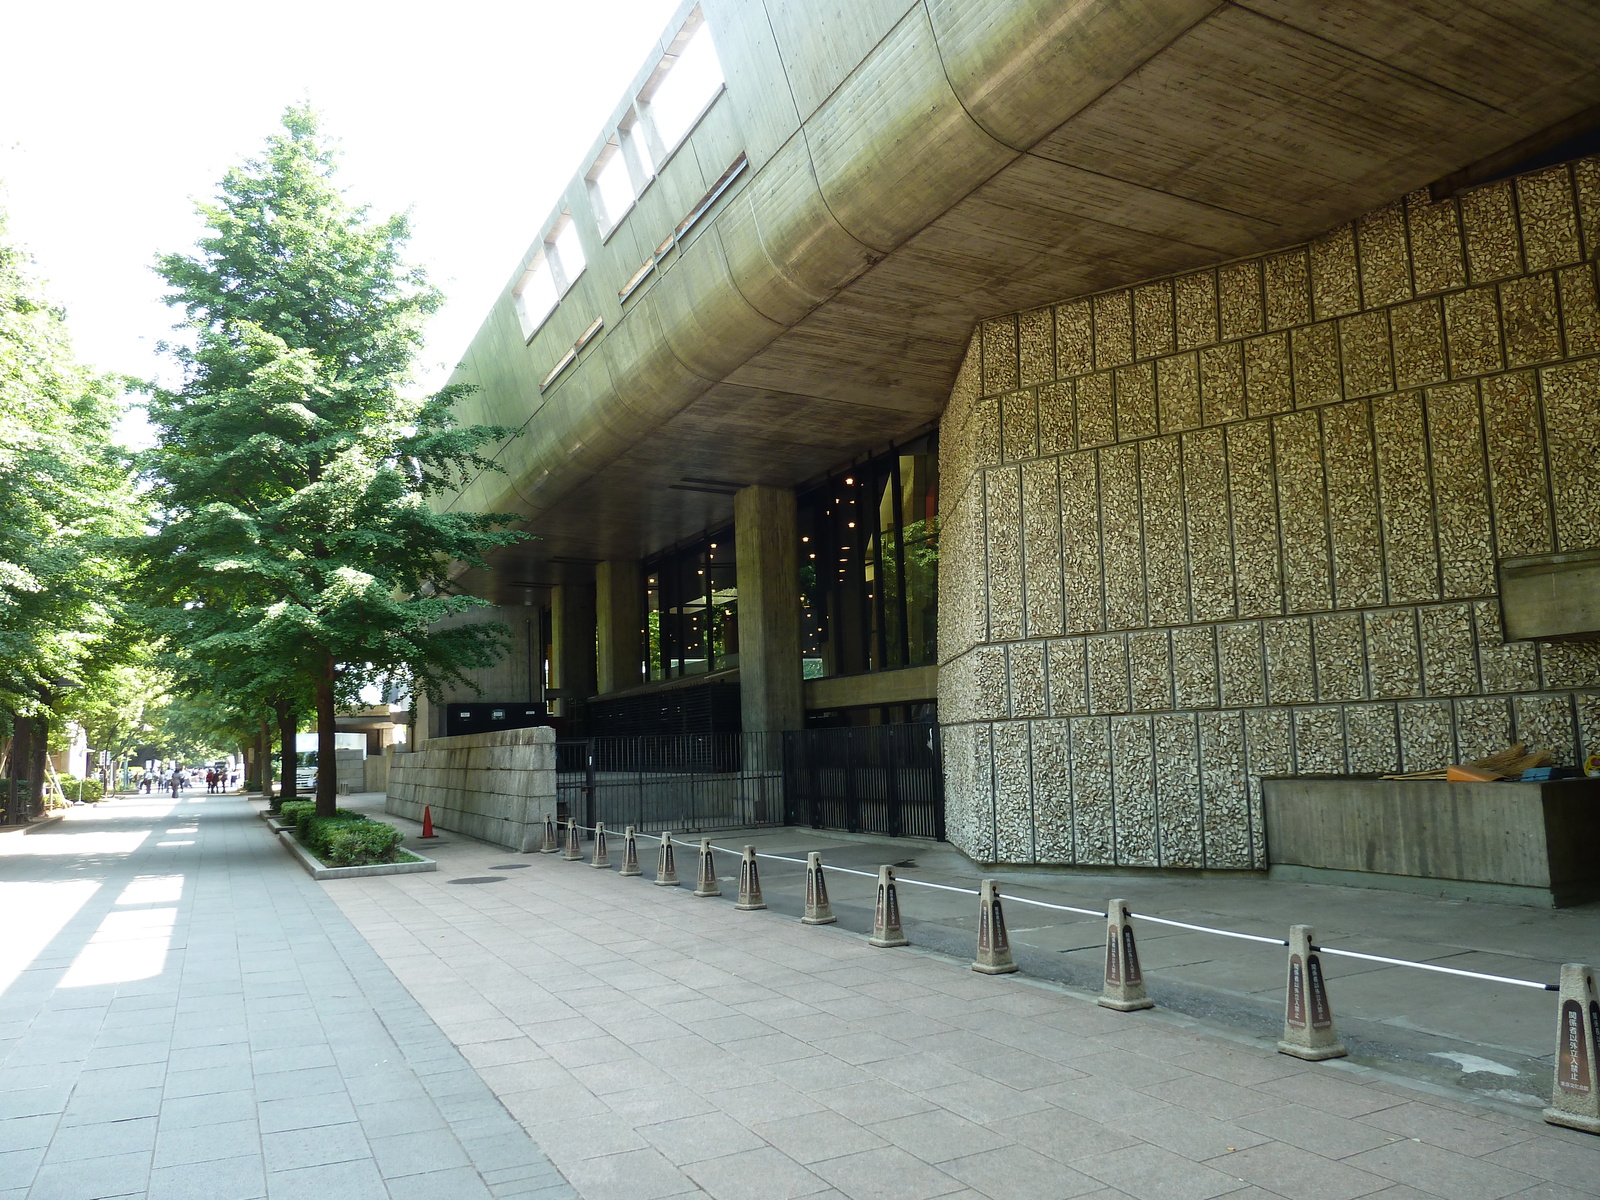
766	547
572	635
619	604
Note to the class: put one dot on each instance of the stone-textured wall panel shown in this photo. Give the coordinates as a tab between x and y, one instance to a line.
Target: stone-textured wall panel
1461	491
1178	392
1372	739
1036	347
999	355
1058	428
1549	218
1069	680
1287	277
1243	672
1268	382
1532	322
1080	541
1406	499
1394	665
1074	339
1051	742
1318	374
1013	792
1427	740
1026	663
1519	486
1166	566
1194	666
1472	329
1177	768
1195	297
1019	426
1224	795
1564	665
1547	722
1504	666
1252	496
1003	507
1136	400
1245	521
1097	410
1340	656
1113	329
1483	727
1385	266
1239	304
1107	658
1093	825
1150	671
1121	533
1437	264
1134	792
1335	287
1222	383
1572	430
1302	512
1418	330
1490	226
1353	506
1290	676
1319	741
1154	329
1580	312
1449	649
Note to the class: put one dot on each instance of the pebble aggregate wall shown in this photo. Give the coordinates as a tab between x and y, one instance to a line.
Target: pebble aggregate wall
493	786
1245	521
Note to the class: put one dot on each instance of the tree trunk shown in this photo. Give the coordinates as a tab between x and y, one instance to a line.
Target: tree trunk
327	756
288	724
36	767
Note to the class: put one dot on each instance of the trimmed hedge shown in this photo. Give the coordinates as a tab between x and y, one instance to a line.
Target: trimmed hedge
346	839
93	790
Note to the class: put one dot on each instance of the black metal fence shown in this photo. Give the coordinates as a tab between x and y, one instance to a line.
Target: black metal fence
884	779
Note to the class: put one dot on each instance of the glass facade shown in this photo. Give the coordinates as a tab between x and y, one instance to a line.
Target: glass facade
692	609
869	564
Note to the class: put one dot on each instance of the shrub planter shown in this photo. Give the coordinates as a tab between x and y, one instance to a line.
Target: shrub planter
317	870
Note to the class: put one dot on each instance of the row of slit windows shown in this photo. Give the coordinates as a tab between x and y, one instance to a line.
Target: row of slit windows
680	89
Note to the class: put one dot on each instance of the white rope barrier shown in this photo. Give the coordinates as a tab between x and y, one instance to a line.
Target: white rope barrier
1091	912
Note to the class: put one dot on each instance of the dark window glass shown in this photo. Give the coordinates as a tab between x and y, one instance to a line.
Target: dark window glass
869	557
691	604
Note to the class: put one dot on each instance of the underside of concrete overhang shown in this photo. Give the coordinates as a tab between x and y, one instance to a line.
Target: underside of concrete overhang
985	157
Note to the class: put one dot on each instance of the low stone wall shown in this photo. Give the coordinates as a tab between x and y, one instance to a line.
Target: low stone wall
493	786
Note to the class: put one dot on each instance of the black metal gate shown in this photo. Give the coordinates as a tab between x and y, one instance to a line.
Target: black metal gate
885	779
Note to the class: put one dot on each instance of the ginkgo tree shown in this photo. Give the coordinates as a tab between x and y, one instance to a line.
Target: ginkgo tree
293	471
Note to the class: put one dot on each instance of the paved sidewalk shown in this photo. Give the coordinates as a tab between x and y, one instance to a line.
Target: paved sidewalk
657	1045
184	1014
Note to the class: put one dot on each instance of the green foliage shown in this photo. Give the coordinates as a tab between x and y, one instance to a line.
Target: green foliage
346	839
296	552
88	789
63	492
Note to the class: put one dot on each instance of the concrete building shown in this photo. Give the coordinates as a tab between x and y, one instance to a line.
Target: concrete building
1158	395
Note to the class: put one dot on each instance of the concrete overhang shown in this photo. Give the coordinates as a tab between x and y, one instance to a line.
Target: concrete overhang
913	169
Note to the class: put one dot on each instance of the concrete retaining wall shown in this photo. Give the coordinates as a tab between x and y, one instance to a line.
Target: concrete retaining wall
493	786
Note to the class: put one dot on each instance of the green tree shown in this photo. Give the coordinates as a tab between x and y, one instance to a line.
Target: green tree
64	491
293	473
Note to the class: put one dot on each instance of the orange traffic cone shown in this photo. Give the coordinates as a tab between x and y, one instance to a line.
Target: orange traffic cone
427	822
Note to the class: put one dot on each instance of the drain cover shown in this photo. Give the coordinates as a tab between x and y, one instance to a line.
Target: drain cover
479	879
511	867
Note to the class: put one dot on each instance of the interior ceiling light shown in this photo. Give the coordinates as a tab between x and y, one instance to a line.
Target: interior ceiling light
849	480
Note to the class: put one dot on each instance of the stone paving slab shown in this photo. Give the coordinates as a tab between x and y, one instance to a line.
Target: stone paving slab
183	1013
658	1045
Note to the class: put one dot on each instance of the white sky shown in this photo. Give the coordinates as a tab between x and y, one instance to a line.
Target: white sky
473	115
